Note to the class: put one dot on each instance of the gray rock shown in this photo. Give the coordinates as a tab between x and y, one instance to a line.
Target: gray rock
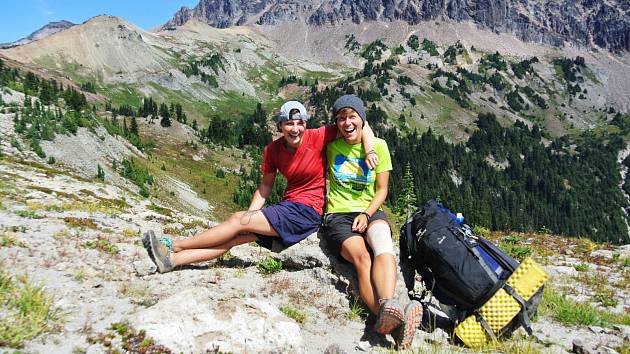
560	271
602	253
624	330
334	349
578	347
624	252
144	267
190	322
305	255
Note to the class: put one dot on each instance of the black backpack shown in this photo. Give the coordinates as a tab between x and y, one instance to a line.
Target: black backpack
459	268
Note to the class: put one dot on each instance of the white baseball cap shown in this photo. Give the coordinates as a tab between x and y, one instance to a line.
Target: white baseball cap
288	106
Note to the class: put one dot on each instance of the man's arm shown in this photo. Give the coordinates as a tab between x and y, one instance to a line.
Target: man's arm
367	139
263	191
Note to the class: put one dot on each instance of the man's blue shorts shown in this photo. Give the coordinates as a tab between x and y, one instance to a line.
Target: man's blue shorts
292	221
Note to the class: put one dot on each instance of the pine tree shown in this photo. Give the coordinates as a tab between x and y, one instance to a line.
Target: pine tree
407	198
165	121
134	126
100	174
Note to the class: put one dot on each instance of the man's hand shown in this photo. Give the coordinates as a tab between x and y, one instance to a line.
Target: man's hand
371	159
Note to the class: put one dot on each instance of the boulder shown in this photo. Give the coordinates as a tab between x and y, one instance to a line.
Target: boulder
560	271
305	255
191	322
606	254
144	266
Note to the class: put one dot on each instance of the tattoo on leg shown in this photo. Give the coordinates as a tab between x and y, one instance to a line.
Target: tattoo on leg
247	216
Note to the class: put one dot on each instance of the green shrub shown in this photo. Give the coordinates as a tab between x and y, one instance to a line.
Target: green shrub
356	310
102	245
481	231
413	42
122	338
298	316
15	144
138	175
28	214
430	47
582	267
604	295
269	266
510	244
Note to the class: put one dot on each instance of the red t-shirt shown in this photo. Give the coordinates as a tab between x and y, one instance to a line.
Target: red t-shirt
305	168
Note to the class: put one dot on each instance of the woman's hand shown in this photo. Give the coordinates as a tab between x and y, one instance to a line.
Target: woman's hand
360	223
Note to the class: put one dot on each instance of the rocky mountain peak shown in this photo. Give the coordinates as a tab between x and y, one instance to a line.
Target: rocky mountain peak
603	23
218	13
43	32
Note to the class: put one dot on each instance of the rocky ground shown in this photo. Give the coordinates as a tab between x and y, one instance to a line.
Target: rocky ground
79	239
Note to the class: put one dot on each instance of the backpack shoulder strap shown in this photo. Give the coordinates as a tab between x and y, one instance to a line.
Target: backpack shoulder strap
525	322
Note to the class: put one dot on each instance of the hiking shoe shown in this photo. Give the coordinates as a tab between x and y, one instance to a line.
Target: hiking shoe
161	253
146	242
403	336
390	315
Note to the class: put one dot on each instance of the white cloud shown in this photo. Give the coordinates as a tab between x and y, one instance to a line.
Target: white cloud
44	8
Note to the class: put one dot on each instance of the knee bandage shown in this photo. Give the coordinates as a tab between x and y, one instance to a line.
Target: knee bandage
379	237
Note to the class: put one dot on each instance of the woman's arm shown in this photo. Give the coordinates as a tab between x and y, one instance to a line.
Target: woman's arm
361	221
262	192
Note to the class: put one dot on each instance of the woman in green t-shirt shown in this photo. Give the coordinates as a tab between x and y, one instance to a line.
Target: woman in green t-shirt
355	226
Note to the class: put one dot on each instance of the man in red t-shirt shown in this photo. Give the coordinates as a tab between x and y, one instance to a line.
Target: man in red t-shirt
300	156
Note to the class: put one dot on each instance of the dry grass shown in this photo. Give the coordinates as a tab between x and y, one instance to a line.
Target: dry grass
279	285
80	222
130	232
517	345
9	239
61	234
27	310
545	246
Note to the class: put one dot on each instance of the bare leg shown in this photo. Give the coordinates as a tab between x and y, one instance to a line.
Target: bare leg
384	267
384	275
206	254
354	250
243	221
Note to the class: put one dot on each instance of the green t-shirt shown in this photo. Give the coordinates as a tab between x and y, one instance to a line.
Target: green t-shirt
352	185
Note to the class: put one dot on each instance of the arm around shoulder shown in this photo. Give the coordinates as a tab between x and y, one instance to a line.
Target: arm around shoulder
368	141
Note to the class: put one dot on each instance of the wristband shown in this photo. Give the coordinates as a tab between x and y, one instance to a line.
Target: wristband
366	215
370	152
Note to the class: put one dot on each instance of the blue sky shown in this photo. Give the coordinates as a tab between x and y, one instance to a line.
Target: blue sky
22	17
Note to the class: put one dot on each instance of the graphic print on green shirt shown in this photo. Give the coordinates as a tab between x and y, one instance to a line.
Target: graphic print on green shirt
351	184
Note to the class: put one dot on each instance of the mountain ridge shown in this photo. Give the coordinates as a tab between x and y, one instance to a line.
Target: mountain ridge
43	32
586	23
